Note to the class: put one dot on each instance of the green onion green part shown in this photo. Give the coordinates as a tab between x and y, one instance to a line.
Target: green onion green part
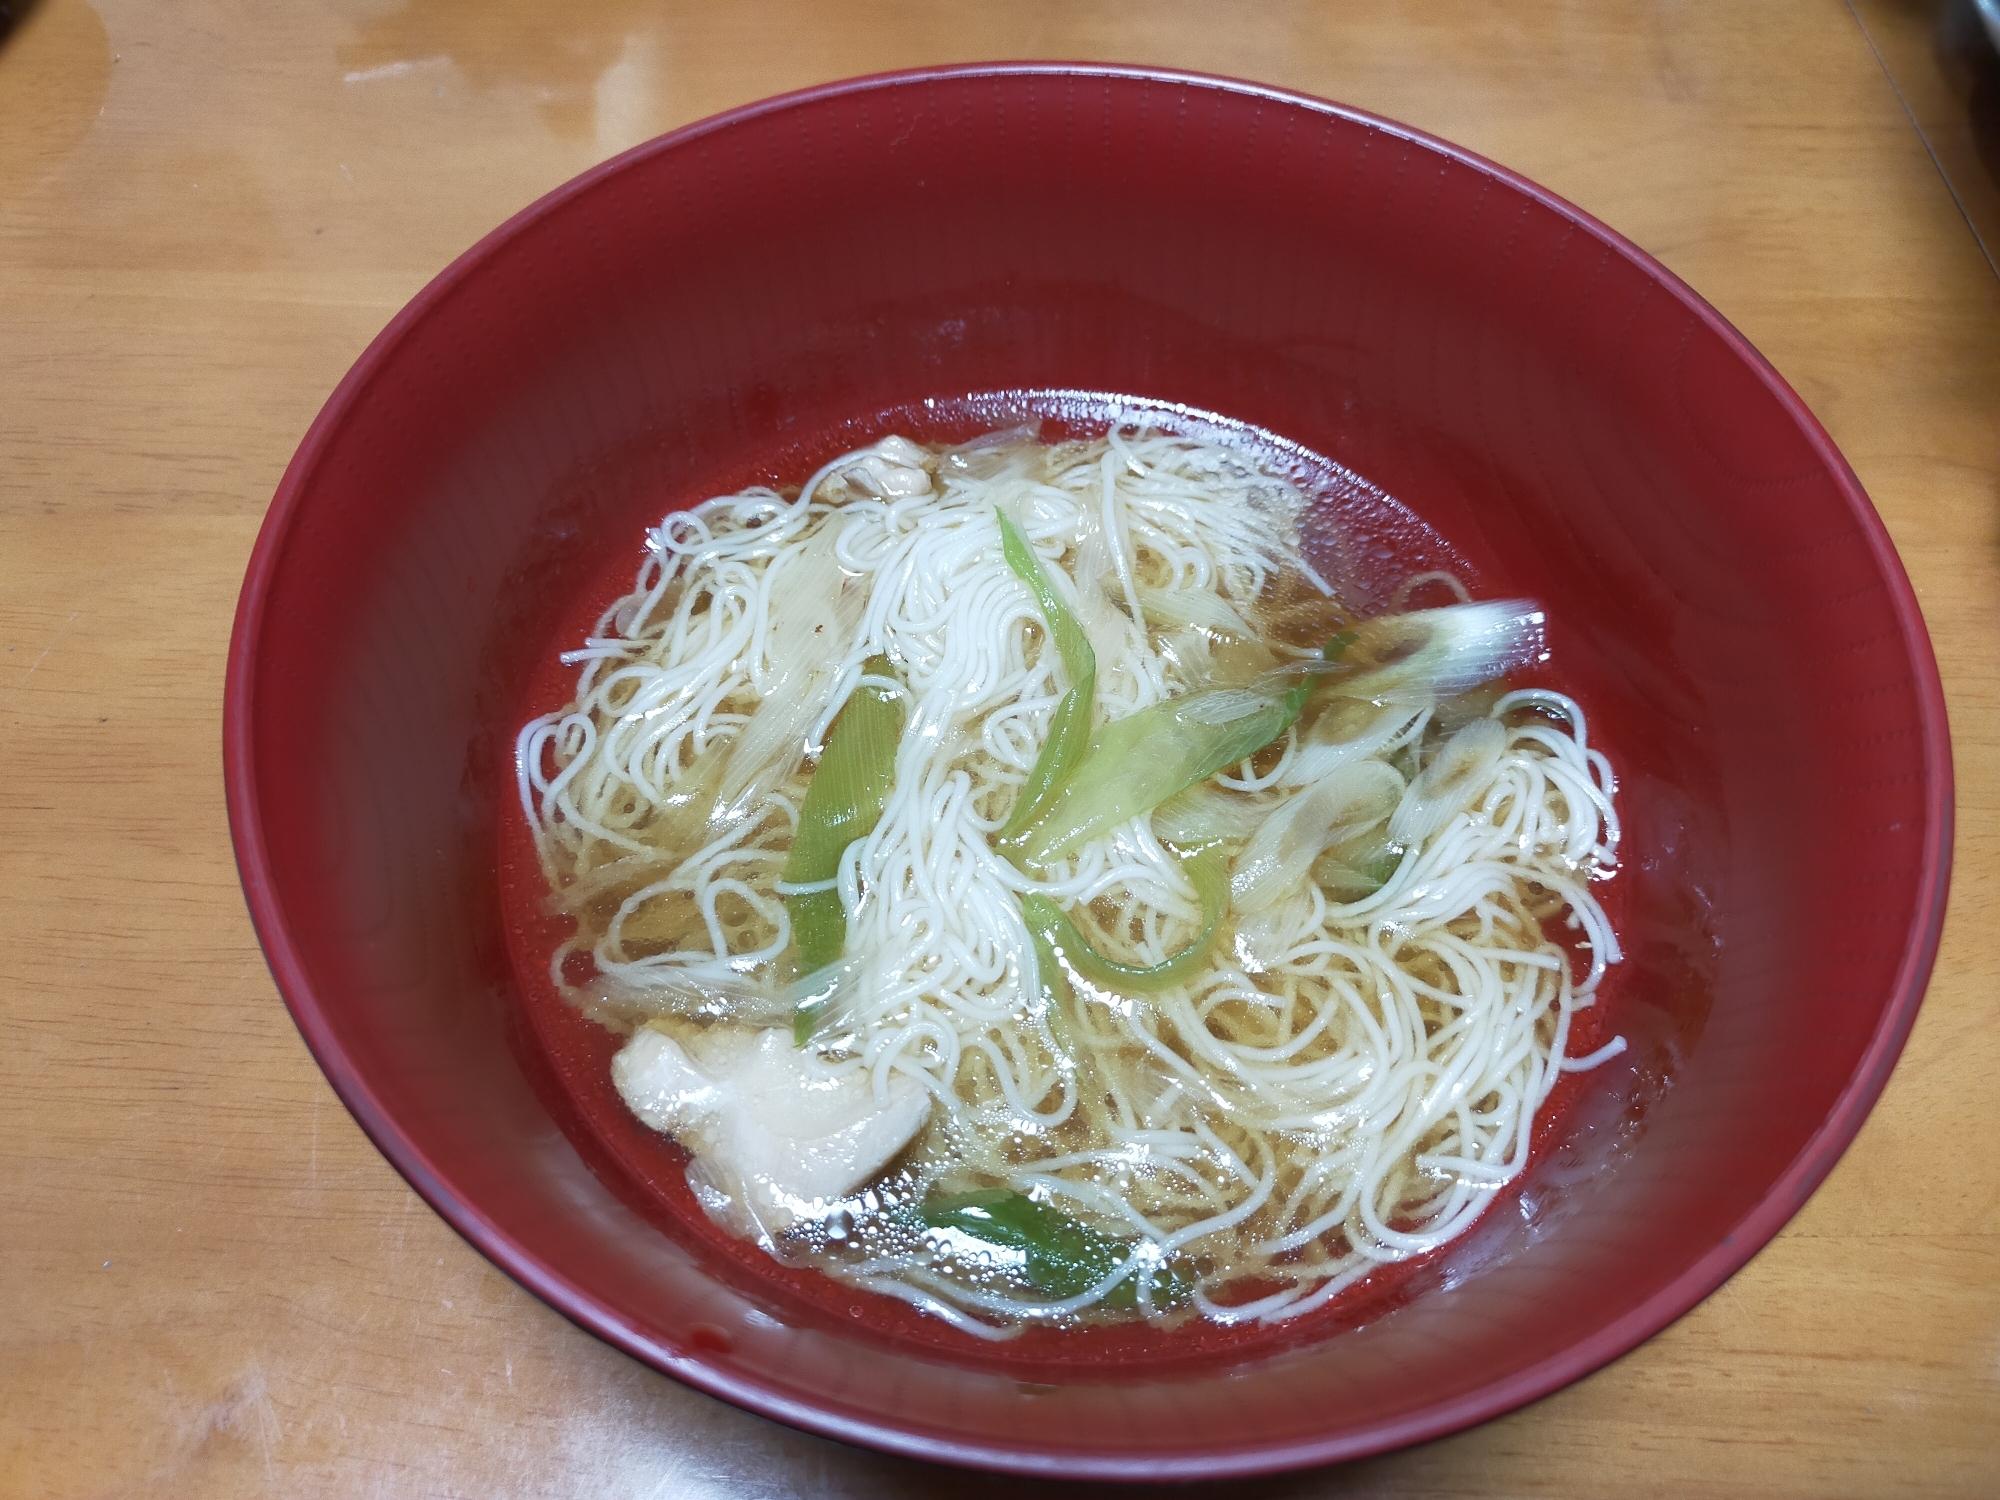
843	802
1133	764
1069	729
1056	996
1064	1258
1053	930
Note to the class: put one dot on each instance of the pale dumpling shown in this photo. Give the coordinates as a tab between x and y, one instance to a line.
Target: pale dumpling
772	1127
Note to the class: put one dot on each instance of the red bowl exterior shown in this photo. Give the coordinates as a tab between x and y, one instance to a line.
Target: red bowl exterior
1722	593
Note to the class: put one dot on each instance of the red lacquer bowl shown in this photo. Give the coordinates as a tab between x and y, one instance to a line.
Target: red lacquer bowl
720	304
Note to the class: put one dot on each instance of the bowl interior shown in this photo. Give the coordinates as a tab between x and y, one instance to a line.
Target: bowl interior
722	305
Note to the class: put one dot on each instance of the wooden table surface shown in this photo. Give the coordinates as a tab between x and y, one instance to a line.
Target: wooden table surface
210	1282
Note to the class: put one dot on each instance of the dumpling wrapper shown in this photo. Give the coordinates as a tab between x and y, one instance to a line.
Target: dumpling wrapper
771	1130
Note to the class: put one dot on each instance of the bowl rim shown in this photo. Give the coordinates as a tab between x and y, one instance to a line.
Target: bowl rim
719	1378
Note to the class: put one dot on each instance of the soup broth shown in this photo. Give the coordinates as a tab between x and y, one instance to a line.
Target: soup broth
1040	885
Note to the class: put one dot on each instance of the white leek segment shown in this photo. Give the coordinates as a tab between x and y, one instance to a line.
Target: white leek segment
1437	652
1193	607
1206	814
1462	767
1352	730
813	612
1347	802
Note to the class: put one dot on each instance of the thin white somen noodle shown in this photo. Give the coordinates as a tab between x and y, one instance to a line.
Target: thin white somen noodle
1345	1085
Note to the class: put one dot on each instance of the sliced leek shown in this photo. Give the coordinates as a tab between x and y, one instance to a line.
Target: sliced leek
1053	930
1133	764
1060	1255
843	802
1069	729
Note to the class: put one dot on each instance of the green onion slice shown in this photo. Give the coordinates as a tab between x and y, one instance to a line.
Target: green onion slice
1064	1258
1056	996
1069	729
1053	930
843	803
1133	764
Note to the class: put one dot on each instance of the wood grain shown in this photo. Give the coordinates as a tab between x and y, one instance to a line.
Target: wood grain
1943	67
210	1282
